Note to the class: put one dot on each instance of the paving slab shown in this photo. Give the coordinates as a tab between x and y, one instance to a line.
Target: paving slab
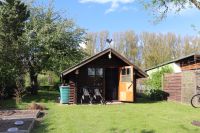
25	128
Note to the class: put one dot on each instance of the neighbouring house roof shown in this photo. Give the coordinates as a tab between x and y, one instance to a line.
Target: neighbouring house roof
88	60
173	61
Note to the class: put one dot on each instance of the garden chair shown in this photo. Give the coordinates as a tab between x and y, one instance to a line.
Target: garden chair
97	95
85	95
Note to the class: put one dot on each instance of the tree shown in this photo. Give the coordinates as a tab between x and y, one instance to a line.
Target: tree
91	41
118	42
162	7
190	45
155	49
52	43
13	17
131	43
103	35
127	43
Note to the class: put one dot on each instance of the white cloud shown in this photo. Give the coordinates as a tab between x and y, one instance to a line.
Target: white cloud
113	7
115	4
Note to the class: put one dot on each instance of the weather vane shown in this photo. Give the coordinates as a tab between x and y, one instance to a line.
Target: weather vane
109	41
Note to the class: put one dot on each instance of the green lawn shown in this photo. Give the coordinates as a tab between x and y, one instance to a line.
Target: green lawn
159	117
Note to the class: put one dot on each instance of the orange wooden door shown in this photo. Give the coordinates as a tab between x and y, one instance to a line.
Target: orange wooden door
126	84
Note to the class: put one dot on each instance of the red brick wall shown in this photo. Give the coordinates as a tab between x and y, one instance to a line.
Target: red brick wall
172	85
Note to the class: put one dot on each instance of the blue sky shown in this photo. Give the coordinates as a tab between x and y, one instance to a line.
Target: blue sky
122	15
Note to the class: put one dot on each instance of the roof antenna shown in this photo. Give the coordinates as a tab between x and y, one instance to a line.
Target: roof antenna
109	41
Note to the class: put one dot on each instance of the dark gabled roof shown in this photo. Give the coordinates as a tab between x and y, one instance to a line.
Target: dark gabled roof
86	61
172	61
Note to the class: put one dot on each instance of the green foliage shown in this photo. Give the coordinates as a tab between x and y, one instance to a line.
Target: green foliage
155	79
153	89
55	44
157	95
34	39
48	79
52	42
13	17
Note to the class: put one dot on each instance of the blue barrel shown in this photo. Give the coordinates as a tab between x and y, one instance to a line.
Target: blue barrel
64	94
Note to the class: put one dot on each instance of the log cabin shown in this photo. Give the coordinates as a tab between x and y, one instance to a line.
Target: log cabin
109	71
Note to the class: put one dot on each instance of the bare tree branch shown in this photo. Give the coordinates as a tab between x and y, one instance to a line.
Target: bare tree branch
196	3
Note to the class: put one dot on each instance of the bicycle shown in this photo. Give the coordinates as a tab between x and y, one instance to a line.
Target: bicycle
195	101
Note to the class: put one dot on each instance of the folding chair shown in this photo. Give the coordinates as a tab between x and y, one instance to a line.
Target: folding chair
97	95
85	95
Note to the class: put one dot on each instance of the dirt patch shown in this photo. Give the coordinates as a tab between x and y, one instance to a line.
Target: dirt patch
6	124
196	123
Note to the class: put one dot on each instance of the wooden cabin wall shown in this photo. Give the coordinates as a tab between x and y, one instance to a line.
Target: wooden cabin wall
105	62
190	64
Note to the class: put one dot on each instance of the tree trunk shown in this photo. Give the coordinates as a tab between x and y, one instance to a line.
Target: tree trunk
34	82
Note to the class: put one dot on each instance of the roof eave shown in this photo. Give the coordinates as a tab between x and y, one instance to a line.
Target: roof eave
172	61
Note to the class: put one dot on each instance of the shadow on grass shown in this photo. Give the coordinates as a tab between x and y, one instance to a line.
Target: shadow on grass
42	97
145	100
8	104
115	130
40	127
197	130
147	131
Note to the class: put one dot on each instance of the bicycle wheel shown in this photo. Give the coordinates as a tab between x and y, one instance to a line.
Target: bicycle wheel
195	101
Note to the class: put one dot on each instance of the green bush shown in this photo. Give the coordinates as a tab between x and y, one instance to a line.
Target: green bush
155	79
154	84
157	95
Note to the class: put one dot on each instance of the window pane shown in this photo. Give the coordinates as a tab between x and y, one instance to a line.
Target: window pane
123	71
99	72
128	71
91	71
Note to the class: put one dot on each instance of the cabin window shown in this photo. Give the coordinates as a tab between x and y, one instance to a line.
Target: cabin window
91	71
126	75
126	71
95	72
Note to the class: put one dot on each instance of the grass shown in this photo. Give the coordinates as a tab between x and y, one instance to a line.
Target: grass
158	117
